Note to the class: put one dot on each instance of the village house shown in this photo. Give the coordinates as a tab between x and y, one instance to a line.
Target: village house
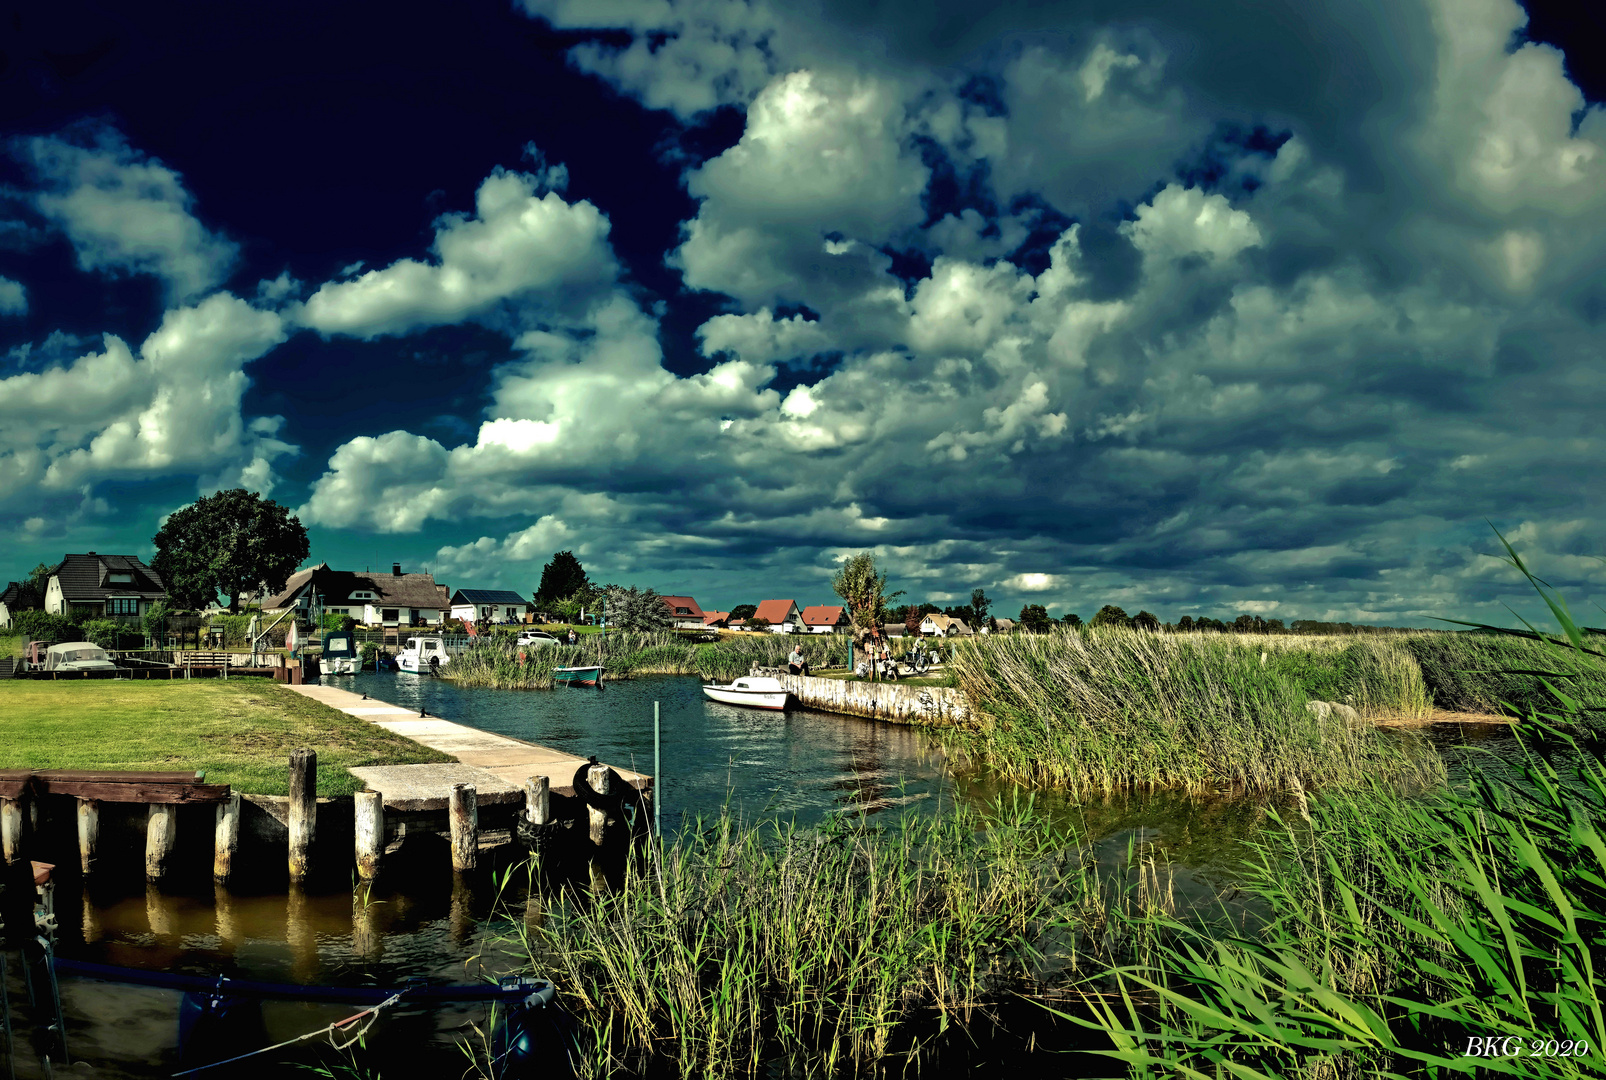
944	626
782	615
103	587
489	606
821	619
685	612
394	599
715	620
11	602
1000	626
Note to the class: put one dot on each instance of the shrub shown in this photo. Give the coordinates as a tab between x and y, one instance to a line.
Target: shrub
43	626
110	634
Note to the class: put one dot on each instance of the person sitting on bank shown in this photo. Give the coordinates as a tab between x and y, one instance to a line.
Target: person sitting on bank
796	663
574	639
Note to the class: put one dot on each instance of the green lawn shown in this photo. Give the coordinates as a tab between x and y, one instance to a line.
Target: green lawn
240	731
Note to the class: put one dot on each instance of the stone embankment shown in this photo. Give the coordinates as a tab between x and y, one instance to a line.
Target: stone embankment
893	702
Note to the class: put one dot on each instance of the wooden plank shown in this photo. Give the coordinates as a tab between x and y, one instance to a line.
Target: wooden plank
140	793
112	776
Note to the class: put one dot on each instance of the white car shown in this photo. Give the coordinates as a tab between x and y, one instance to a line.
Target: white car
78	656
528	638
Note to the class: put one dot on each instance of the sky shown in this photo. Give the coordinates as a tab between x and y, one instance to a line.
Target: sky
1271	307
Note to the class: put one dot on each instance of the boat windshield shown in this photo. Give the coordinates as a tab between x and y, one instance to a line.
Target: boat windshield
76	656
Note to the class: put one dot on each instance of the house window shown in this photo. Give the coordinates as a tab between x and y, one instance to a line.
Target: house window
122	605
388	614
120	579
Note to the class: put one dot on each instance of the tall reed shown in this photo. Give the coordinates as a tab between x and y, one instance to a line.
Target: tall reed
495	661
1107	709
829	950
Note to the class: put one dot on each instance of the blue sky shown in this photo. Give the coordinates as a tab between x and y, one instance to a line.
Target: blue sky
1263	307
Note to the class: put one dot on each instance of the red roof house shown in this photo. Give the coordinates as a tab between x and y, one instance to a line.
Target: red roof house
782	615
821	619
685	612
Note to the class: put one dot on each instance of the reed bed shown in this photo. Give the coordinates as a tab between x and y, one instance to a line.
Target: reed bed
832	950
1494	673
495	661
1411	935
1102	710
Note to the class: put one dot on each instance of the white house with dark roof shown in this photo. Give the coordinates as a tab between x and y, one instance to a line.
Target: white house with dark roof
393	599
103	587
782	615
11	602
484	606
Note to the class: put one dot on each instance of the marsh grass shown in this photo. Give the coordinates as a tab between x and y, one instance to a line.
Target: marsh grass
1109	709
494	661
841	949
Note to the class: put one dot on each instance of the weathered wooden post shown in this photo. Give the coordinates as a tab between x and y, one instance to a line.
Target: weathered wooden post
597	777
161	833
462	809
370	809
88	834
538	800
226	837
11	830
303	815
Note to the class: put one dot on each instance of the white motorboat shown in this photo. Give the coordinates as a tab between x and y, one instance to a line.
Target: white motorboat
340	655
78	656
424	654
755	691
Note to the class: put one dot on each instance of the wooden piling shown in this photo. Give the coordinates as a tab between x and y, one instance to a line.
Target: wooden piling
538	800
462	808
370	810
161	833
11	830
303	811
597	777
88	834
226	838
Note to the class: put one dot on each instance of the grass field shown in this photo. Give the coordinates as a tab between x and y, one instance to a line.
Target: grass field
240	731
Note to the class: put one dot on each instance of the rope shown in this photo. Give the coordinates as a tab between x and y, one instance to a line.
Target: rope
338	1025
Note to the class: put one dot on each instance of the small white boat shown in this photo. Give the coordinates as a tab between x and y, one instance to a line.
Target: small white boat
424	654
757	692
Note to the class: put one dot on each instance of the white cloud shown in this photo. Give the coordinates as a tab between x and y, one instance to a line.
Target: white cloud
13	298
126	213
522	244
1035	583
1185	221
173	409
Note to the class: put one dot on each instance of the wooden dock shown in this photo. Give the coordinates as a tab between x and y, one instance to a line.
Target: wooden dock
509	761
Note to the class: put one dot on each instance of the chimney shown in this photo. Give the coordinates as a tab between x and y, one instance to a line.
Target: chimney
395	569
91	553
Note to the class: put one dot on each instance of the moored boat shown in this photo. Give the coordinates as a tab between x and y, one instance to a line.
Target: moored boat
424	654
578	676
755	691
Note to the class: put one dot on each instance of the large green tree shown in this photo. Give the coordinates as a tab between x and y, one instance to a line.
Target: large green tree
561	579
743	611
229	543
979	603
637	609
864	592
1110	615
1035	619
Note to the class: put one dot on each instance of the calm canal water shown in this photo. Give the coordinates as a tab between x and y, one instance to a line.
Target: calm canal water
800	765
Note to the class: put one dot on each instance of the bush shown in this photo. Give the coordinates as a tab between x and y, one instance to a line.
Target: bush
111	634
43	626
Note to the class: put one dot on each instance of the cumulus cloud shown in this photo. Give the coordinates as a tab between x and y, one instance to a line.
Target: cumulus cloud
523	242
126	213
1180	337
13	297
172	408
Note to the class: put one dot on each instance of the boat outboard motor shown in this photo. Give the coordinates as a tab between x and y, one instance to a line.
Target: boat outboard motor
217	1026
533	1032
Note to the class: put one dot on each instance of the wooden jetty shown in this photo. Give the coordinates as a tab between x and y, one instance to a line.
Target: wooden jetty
498	789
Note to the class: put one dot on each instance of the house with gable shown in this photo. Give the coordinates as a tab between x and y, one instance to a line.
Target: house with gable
393	599
944	626
782	615
823	619
685	612
12	601
103	587
715	620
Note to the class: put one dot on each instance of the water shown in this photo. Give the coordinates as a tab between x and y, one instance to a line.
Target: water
800	765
